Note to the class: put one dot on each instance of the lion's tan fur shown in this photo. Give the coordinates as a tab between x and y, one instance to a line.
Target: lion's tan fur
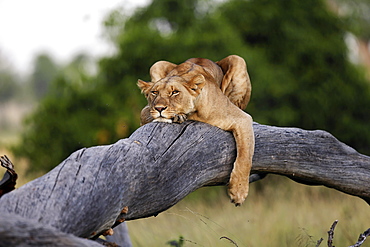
214	93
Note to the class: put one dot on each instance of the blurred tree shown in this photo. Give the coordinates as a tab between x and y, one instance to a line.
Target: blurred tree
8	86
296	57
308	81
8	81
357	14
43	73
72	115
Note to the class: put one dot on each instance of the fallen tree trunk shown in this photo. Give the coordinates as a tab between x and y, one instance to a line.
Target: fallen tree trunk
161	163
17	231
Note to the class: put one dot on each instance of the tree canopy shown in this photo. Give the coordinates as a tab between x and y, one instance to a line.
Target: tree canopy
296	56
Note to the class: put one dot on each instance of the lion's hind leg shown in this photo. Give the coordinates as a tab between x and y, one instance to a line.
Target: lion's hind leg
235	84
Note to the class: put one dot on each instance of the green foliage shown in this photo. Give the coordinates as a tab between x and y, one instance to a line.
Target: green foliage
8	82
296	57
44	72
73	115
357	16
308	81
8	86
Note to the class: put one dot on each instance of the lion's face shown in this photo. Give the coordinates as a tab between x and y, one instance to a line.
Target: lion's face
171	99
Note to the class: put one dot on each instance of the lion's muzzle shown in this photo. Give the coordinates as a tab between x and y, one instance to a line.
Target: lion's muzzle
163	120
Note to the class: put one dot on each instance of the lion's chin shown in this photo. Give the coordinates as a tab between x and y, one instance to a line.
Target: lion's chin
163	120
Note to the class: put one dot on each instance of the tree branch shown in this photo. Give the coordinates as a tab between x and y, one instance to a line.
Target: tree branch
331	233
161	163
7	183
362	238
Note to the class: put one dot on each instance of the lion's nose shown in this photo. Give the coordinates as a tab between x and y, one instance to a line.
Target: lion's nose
160	108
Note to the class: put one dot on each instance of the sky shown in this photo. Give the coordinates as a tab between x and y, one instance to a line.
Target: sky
60	28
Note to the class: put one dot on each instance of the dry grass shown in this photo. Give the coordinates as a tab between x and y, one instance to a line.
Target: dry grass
278	212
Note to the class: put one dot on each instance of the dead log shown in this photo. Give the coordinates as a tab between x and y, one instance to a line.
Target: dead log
17	231
161	163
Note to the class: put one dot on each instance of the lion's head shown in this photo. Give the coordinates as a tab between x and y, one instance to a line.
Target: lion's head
173	89
171	95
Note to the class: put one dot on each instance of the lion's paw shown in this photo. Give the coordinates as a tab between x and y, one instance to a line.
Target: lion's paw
179	118
238	189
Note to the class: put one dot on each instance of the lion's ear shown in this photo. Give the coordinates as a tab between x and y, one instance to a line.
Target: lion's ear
235	84
144	86
197	83
160	70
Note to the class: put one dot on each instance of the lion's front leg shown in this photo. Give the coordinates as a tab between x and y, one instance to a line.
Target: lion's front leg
238	185
239	179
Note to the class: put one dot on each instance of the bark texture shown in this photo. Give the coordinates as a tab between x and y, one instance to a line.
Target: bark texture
161	163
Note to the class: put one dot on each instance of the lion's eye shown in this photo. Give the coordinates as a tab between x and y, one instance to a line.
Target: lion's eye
154	93
175	92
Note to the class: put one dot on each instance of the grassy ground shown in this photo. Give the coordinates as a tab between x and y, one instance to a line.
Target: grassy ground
278	212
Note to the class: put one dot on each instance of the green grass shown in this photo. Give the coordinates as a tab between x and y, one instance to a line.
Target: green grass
278	212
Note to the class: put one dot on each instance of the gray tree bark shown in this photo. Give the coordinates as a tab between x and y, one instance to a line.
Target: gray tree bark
159	164
18	231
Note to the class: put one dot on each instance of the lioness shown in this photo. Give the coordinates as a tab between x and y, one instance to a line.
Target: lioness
214	93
